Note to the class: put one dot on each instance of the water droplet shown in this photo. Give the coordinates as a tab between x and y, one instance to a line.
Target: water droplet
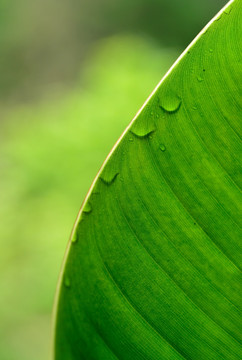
67	281
170	103
152	112
162	147
142	133
194	107
108	177
96	190
157	115
143	127
228	10
131	139
74	237
210	50
199	78
204	70
87	208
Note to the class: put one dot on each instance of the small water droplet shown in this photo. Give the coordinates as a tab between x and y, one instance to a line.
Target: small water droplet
170	103
74	237
228	10
210	50
95	190
151	113
108	178
194	107
204	70
67	281
157	115
131	139
87	208
162	147
199	78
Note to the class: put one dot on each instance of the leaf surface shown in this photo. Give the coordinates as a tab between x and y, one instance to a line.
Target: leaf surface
152	267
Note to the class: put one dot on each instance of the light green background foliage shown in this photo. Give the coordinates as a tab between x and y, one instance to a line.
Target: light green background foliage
50	152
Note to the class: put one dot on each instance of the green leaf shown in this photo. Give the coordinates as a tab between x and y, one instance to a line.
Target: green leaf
152	269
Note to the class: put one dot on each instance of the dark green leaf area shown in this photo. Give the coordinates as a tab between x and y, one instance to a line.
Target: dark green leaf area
154	269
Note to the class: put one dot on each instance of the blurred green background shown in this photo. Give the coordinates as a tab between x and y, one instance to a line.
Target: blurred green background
72	76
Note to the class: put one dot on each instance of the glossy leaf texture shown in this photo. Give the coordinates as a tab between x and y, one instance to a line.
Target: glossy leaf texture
152	268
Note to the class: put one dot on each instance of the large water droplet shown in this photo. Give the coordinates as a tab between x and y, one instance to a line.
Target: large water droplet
67	281
142	133
143	126
109	177
170	103
87	208
162	147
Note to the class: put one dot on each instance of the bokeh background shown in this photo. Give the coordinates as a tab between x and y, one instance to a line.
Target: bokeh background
73	73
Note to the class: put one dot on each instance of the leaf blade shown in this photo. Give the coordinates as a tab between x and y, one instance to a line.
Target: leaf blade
153	273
